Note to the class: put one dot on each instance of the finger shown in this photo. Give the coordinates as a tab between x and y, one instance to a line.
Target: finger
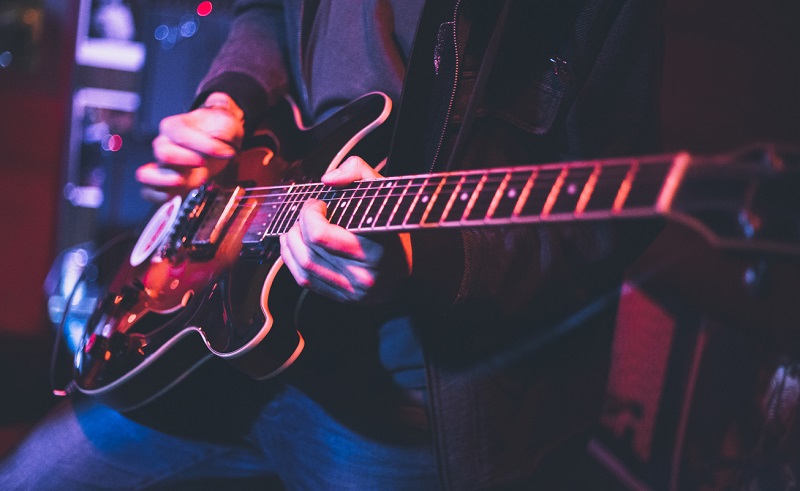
207	138
322	235
362	279
308	268
220	123
167	151
169	179
155	175
290	261
351	170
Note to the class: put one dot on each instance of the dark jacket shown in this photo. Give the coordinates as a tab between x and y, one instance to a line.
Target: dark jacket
515	323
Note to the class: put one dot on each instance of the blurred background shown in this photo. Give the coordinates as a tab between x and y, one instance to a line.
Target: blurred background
84	83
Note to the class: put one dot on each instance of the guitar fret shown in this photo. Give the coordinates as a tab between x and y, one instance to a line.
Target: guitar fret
367	215
296	206
332	198
505	199
607	188
508	200
292	211
357	196
308	191
588	190
415	212
400	204
625	187
541	187
319	192
388	204
283	209
438	205
453	196
462	199
676	173
474	197
338	210
554	192
647	185
569	190
490	193
430	200
525	194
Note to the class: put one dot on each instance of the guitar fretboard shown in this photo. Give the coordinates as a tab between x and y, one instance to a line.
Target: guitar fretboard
589	190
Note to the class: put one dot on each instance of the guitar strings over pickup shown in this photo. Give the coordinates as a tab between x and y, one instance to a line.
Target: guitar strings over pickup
217	215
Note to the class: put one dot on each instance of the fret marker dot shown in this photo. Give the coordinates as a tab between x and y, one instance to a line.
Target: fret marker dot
425	199
572	189
512	193
343	204
464	196
369	220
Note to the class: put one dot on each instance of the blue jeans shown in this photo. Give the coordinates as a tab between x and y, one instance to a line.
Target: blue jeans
82	446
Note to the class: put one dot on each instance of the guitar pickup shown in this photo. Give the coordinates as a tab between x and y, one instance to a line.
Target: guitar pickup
216	218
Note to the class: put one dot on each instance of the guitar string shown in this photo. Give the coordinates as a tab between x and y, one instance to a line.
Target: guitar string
377	190
606	167
411	188
389	192
288	214
312	188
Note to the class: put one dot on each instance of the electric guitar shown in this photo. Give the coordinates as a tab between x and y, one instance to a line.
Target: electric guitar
205	277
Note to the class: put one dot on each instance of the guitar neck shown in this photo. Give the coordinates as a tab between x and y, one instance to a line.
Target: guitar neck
515	195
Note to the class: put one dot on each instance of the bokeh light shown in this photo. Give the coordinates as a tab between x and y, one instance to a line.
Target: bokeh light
188	26
204	8
112	143
161	32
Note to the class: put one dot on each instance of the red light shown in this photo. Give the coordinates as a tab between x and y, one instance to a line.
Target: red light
113	144
204	9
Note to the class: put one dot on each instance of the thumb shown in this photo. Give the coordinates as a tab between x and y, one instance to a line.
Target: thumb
352	169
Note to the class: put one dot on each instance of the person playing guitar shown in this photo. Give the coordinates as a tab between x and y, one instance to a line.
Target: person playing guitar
454	358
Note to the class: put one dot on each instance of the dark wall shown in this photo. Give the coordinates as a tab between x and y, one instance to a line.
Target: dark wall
732	73
34	104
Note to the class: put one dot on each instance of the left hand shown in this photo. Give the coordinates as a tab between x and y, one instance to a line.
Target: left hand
338	264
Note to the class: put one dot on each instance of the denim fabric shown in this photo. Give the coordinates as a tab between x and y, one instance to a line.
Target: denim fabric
293	438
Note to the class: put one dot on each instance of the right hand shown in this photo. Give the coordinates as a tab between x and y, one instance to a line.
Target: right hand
192	147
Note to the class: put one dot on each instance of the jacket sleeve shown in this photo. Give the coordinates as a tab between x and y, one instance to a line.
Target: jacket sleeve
251	65
479	290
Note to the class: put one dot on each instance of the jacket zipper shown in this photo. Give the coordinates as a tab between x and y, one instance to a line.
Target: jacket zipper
444	475
452	93
301	64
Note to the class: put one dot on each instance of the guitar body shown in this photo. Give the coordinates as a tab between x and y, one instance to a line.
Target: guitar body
197	284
